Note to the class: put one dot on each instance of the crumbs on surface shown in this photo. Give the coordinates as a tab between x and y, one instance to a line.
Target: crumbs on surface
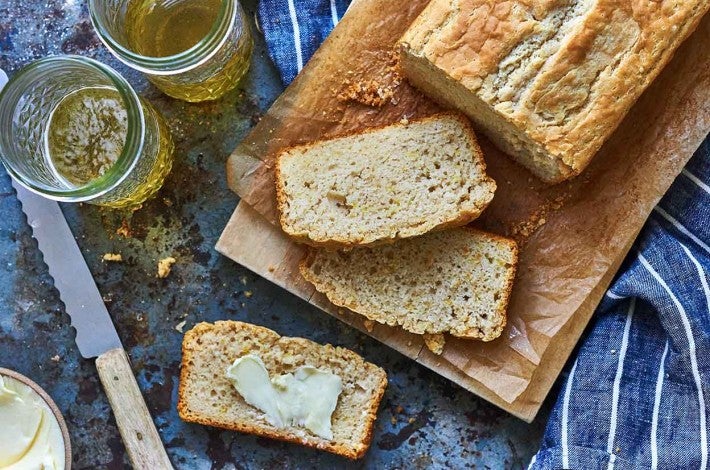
375	92
435	343
112	257
124	230
180	326
369	325
164	266
525	229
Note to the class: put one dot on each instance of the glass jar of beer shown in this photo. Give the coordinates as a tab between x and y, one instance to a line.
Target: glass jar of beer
193	50
74	130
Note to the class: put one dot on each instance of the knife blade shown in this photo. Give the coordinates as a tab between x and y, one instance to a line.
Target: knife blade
96	334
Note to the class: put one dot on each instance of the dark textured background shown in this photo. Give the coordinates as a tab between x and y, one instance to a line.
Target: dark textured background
424	420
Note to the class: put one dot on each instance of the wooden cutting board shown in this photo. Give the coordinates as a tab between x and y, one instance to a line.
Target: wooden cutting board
574	235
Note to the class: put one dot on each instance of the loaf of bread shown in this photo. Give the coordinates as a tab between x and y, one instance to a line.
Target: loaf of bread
206	396
384	184
456	281
547	81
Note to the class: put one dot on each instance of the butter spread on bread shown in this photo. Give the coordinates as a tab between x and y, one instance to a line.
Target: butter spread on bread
307	397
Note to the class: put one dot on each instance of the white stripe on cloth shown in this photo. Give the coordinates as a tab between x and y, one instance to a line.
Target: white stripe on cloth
334	12
701	274
697	181
682	229
617	384
693	360
296	34
656	408
611	295
565	417
532	461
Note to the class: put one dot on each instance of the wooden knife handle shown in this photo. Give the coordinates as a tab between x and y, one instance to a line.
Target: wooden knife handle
141	438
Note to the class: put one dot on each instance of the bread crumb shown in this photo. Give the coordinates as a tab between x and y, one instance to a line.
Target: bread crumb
435	343
411	420
179	327
124	230
369	325
393	420
164	266
248	294
375	92
167	202
113	257
399	409
55	358
522	231
272	269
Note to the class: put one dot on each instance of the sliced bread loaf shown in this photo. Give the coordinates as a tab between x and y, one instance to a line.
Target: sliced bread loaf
547	81
457	281
385	184
206	396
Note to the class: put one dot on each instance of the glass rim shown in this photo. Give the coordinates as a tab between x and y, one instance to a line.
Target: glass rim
132	148
175	64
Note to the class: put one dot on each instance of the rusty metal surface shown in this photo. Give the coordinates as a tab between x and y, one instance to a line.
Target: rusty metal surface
424	421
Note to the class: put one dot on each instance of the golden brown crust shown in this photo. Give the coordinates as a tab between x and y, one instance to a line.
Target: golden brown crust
307	261
574	99
464	217
192	337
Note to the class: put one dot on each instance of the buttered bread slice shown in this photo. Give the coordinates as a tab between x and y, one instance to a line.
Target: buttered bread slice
384	184
456	281
247	378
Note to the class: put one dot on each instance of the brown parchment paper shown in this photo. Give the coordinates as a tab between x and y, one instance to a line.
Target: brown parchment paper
573	235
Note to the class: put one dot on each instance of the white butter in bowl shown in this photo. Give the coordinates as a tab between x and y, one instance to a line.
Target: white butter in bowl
33	434
306	398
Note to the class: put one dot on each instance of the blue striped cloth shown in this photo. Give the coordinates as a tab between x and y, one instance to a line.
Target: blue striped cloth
635	395
295	28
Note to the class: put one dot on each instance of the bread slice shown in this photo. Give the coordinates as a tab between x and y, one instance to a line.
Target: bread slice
385	184
206	396
456	282
550	81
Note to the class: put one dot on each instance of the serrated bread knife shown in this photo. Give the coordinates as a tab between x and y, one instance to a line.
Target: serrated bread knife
96	335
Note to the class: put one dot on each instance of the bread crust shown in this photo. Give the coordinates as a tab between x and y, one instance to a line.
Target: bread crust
190	340
307	261
464	217
570	101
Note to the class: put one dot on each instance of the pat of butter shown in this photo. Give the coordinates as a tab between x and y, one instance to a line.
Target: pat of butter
306	398
30	437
